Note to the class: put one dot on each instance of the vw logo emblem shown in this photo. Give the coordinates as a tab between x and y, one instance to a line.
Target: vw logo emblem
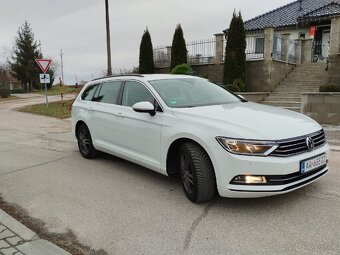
310	143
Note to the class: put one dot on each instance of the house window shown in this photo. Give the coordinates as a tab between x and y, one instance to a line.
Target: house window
302	35
259	47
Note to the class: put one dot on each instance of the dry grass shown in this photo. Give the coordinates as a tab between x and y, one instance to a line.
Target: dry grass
55	109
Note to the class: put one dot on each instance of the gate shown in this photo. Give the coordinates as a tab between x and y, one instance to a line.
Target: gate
320	51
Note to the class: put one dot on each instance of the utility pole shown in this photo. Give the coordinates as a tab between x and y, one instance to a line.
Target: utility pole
61	63
108	40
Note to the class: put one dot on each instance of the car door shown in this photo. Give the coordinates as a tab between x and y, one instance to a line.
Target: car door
105	116
85	110
140	133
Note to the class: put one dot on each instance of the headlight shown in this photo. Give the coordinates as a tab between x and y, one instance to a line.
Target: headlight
247	147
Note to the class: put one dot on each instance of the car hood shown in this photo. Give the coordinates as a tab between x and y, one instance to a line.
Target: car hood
250	120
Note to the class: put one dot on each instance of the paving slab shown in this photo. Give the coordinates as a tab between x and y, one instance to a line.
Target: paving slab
15	238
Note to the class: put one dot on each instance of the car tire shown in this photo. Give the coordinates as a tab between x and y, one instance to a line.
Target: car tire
197	173
85	144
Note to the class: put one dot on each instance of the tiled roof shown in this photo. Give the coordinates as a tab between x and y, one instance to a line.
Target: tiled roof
289	15
331	9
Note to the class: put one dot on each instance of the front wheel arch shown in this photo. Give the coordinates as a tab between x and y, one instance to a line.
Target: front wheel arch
172	155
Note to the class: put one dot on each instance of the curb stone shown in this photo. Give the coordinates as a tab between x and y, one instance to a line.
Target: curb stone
17	239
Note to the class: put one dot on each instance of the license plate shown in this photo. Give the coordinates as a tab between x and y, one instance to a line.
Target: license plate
313	163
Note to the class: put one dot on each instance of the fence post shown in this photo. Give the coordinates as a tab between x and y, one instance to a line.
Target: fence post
268	43
298	51
334	52
285	47
219	48
168	53
335	36
306	50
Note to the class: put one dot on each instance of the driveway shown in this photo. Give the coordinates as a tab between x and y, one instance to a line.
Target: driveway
123	208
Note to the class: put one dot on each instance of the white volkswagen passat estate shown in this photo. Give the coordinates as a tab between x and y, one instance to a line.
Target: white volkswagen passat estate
215	140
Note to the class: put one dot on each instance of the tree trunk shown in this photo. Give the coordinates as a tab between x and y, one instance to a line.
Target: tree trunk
108	39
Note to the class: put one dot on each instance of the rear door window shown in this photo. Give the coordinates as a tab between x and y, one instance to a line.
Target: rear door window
109	92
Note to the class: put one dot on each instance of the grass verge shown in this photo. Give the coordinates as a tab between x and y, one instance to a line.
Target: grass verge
54	109
55	90
67	241
8	98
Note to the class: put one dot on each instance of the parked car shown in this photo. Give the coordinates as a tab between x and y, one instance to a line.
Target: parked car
216	141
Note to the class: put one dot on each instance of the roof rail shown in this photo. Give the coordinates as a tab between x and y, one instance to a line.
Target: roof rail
119	75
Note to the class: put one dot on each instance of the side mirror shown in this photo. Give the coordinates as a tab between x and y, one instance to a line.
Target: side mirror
145	107
241	97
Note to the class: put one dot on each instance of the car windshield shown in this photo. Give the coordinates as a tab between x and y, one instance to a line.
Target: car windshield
189	92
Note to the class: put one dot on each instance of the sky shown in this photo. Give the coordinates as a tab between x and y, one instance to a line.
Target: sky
78	28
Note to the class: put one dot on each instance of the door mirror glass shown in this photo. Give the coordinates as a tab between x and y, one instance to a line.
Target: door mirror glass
145	107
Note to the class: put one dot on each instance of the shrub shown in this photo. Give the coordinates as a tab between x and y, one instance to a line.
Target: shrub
146	65
182	69
329	88
239	83
178	49
232	88
4	93
235	56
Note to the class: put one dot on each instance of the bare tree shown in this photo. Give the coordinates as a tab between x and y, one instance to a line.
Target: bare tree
108	39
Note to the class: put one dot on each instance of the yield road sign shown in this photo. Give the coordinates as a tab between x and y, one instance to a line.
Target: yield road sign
44	78
44	64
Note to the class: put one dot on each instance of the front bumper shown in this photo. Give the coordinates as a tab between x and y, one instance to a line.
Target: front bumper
284	173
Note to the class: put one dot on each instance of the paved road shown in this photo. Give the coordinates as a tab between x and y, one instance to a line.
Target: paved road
123	208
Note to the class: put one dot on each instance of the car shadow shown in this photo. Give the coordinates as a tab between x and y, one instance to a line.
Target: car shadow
173	184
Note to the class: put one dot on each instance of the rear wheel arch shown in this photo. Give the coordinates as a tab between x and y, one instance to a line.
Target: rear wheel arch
79	123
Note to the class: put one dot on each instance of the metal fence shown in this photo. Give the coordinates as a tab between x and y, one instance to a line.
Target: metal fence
202	51
292	52
199	52
160	56
277	48
320	51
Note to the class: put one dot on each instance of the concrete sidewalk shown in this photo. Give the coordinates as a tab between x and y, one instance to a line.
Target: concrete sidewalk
17	239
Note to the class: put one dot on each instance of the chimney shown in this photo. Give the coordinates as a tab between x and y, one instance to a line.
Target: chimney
300	3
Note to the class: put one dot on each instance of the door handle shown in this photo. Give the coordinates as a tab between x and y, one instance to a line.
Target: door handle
91	109
120	114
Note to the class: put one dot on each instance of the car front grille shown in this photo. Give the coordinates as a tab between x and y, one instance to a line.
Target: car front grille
298	145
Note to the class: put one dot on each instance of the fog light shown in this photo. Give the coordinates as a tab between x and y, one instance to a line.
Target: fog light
249	179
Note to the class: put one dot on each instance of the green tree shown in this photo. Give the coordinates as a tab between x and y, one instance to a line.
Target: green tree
22	63
235	56
179	51
146	65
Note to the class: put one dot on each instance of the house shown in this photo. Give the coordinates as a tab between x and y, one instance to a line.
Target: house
296	34
8	81
302	19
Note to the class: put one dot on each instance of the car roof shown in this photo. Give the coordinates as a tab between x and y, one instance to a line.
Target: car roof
145	77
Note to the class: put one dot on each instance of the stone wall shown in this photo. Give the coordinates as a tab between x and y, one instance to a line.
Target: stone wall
261	75
334	69
322	107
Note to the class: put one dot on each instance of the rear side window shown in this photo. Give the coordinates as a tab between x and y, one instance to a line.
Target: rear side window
135	92
89	92
109	92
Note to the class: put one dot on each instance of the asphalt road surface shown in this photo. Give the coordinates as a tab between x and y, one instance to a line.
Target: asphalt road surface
123	208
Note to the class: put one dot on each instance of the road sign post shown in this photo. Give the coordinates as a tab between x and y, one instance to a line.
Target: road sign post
44	65
45	78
